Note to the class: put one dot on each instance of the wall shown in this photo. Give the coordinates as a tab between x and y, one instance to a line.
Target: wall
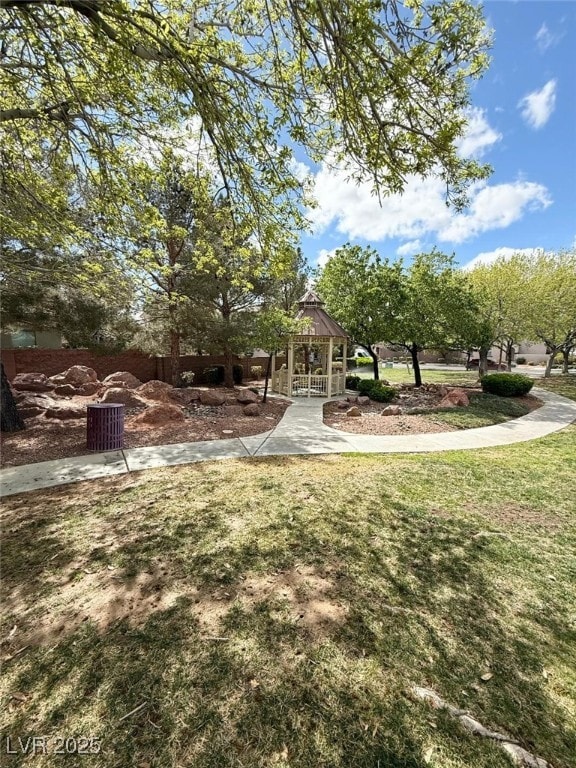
141	365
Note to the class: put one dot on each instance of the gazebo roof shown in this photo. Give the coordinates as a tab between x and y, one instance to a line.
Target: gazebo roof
311	308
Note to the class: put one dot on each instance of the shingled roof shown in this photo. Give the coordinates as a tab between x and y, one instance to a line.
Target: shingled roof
321	324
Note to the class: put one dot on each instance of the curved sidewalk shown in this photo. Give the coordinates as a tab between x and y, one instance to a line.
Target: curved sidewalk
301	431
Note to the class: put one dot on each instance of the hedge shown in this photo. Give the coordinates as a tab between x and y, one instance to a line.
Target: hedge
506	384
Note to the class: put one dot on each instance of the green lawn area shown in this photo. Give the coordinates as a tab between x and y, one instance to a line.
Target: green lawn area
562	385
401	375
275	612
483	411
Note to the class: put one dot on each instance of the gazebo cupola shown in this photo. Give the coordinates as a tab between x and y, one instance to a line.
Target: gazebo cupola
310	370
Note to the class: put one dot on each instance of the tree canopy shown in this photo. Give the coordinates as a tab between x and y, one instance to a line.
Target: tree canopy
380	86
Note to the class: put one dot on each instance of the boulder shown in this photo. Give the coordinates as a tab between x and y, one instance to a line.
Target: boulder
156	390
252	409
392	410
66	390
183	396
57	380
91	388
34	405
31	382
122	379
210	397
78	375
343	405
363	400
247	396
65	410
442	390
454	398
354	411
124	396
163	413
352	399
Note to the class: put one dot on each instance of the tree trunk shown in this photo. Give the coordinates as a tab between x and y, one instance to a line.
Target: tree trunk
549	363
468	356
416	365
565	361
10	419
509	354
228	367
483	361
268	370
374	357
175	358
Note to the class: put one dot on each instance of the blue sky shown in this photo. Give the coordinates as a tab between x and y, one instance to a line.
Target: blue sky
522	122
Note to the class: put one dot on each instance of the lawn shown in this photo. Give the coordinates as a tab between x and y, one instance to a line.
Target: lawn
401	375
483	411
561	385
276	612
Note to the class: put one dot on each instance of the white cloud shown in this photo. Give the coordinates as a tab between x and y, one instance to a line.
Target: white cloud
410	248
545	39
537	106
489	257
495	207
324	256
479	134
421	210
300	170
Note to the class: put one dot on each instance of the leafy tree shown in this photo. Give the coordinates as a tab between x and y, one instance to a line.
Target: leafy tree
361	293
433	307
550	288
271	330
503	305
381	86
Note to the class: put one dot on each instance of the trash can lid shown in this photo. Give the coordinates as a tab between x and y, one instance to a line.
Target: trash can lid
106	405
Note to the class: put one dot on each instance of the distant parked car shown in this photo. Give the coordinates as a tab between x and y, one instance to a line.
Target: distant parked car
492	365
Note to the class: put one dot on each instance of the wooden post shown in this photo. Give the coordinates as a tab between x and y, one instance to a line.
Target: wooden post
290	366
344	356
330	351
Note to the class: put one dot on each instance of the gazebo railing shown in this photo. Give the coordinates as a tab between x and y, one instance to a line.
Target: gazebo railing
307	384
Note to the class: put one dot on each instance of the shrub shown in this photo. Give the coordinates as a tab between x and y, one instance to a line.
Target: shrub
507	384
213	375
237	374
256	371
318	371
365	385
381	393
361	361
350	362
376	390
521	360
187	378
337	367
352	382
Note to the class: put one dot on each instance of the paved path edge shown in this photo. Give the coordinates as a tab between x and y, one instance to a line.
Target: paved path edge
556	414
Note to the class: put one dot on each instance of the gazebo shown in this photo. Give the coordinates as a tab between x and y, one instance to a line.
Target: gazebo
310	371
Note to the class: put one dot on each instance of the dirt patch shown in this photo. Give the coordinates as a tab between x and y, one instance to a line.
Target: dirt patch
104	595
373	423
302	594
46	439
510	513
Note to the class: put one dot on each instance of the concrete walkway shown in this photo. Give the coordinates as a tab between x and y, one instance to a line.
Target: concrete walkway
301	431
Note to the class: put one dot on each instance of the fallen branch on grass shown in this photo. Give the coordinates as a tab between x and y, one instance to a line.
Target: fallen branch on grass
133	711
519	755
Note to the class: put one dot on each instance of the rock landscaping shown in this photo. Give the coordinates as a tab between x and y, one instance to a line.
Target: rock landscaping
155	413
414	410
